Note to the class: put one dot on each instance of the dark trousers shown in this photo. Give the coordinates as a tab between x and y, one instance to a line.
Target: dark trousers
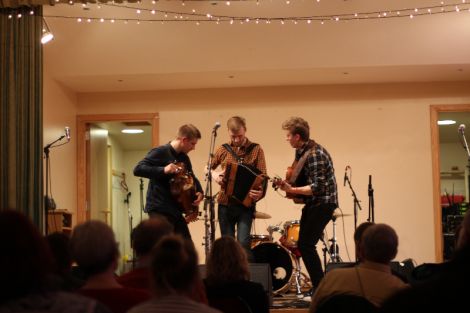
179	224
312	223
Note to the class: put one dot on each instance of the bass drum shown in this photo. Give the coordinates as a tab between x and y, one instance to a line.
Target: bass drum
280	261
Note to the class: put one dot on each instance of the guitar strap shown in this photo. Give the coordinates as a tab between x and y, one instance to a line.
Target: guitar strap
300	164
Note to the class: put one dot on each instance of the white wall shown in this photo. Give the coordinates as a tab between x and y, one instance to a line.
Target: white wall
378	130
381	130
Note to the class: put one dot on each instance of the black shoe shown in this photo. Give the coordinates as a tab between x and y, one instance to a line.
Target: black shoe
308	295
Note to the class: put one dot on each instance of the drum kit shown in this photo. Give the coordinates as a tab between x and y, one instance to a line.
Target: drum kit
284	256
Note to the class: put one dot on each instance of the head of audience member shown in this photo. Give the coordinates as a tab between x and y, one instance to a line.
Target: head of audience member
358	233
187	138
297	131
94	248
379	244
147	234
227	262
236	126
174	266
26	262
59	245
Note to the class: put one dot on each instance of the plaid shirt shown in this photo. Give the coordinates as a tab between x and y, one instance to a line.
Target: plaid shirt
255	158
318	172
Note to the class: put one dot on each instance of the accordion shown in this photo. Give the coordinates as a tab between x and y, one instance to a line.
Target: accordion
239	179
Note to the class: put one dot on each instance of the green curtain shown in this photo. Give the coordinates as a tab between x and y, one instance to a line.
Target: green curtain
21	185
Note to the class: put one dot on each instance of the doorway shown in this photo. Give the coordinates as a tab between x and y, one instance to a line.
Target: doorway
450	174
106	187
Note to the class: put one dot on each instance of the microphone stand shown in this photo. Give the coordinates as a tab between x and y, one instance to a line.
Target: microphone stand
46	197
141	185
465	146
129	215
209	213
356	201
370	192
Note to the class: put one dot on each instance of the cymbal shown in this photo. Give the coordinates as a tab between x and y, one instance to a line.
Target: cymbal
261	215
338	215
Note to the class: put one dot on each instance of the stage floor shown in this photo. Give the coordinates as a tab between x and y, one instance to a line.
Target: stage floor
289	303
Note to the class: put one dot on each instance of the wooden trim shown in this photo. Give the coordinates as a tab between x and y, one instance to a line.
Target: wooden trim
82	122
436	179
436	184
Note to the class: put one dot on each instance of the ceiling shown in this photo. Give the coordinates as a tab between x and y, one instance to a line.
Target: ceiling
129	142
165	54
450	133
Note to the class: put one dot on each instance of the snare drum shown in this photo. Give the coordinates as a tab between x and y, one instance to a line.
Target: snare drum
280	261
257	239
291	234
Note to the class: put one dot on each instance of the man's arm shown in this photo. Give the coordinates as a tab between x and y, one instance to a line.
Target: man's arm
153	165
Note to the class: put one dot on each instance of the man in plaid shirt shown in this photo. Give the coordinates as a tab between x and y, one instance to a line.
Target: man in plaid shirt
316	186
230	213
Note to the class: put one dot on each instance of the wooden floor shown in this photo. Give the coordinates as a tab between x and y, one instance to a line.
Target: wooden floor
289	303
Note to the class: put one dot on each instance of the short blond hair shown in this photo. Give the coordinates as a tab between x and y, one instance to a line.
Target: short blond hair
189	131
235	123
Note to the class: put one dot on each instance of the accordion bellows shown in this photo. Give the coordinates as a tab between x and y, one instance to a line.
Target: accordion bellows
240	179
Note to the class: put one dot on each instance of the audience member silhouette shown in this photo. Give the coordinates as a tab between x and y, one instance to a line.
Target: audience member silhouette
60	248
358	236
174	276
445	291
143	239
95	250
228	276
26	271
372	277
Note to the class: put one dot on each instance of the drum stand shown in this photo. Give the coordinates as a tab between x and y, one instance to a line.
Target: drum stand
334	250
297	278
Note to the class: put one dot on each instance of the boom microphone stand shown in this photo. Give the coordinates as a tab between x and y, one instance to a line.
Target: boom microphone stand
48	202
357	205
209	213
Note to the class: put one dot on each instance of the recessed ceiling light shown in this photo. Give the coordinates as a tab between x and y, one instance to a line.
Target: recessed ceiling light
132	131
446	122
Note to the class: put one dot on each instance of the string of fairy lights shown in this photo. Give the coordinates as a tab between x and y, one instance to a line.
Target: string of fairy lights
156	13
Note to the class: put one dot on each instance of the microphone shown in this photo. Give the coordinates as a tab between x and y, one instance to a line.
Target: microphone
461	128
67	133
216	126
345	175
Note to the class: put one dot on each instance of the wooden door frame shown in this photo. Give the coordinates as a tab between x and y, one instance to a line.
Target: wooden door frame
82	121
436	177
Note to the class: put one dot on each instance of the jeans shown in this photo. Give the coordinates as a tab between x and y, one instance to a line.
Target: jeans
236	214
312	223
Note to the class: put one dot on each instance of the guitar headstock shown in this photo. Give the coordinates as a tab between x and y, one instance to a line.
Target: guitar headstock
277	182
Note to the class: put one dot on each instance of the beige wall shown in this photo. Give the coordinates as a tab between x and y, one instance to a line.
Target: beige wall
60	110
378	130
